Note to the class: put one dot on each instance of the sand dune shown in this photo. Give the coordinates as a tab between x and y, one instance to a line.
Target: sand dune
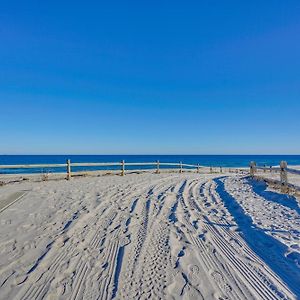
149	236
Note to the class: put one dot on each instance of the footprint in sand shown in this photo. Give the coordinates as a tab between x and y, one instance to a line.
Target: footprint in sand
221	282
124	241
194	275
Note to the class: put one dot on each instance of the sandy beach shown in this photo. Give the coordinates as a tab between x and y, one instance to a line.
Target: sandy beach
150	150
149	236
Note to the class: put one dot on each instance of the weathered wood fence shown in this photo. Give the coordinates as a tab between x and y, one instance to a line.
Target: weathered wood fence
282	170
121	165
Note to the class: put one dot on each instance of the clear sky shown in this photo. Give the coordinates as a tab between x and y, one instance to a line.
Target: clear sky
150	77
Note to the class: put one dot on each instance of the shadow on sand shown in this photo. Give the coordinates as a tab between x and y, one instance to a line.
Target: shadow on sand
270	250
260	188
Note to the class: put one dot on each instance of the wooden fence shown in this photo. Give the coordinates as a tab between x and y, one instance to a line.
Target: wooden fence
71	168
282	170
120	165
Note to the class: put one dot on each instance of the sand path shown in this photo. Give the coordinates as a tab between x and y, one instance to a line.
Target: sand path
168	236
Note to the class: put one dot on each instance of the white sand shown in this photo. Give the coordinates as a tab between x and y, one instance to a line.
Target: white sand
149	236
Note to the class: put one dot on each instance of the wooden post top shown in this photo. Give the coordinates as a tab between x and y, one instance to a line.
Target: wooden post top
283	164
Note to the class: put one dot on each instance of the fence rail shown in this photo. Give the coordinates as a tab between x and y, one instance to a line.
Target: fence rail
283	171
33	166
121	165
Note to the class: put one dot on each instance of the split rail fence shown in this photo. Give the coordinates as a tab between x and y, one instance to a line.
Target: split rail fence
262	172
119	165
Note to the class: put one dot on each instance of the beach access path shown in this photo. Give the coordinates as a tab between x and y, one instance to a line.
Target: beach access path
149	236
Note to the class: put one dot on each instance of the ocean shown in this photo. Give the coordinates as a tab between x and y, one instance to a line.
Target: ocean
203	160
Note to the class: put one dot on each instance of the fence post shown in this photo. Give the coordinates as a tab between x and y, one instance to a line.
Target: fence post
69	175
198	169
283	176
157	167
123	167
180	170
252	168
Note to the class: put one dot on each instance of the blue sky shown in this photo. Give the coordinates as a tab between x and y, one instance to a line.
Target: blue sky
159	77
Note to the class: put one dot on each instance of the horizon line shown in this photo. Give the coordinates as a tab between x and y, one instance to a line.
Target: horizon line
146	154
